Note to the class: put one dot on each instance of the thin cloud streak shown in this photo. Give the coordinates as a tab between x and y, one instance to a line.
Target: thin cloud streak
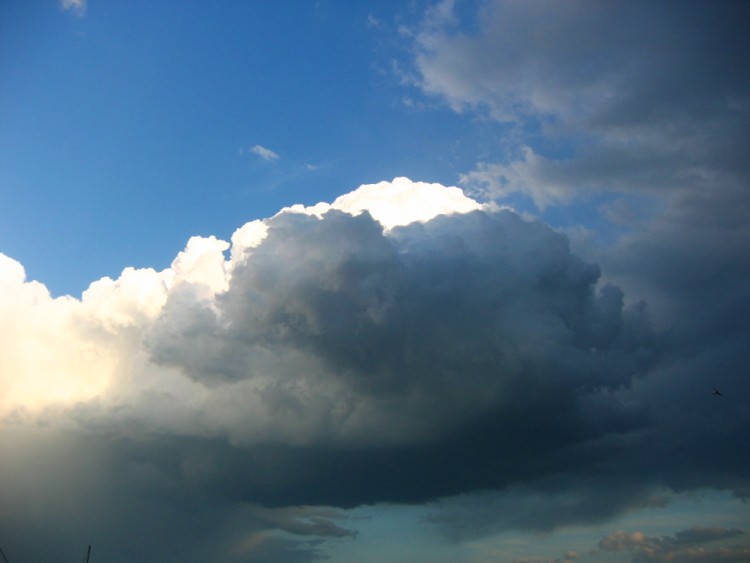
264	153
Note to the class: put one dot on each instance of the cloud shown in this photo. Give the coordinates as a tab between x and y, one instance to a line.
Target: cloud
581	496
685	546
401	344
643	104
584	63
652	107
399	202
569	557
264	153
78	7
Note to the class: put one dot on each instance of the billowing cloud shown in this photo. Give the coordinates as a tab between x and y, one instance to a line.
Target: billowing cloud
264	153
337	300
402	344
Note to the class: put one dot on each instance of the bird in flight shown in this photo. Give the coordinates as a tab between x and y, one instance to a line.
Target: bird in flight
717	392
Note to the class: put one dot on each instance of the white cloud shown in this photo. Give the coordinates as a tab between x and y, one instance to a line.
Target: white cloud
264	153
78	7
46	355
399	202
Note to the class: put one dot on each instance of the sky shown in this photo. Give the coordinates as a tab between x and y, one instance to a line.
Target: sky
427	281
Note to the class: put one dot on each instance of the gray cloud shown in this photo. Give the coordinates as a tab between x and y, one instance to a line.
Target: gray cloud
634	100
649	97
418	333
584	494
333	362
153	498
590	64
341	365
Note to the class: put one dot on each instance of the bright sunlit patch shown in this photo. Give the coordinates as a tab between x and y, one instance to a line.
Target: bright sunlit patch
402	201
399	202
45	355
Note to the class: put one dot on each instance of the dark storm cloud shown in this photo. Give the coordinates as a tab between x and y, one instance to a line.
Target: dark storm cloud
641	98
139	498
440	330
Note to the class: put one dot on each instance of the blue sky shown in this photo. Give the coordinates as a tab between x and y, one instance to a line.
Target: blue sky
423	281
126	124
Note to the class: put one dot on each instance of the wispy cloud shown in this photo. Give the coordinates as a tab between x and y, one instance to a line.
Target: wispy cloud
264	153
78	7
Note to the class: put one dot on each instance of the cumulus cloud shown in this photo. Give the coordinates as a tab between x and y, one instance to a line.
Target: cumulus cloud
264	153
402	344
